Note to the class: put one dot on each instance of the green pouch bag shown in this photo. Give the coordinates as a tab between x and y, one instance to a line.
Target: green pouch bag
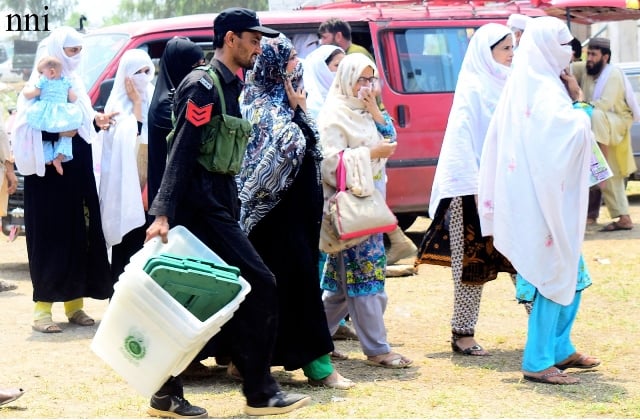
224	138
224	141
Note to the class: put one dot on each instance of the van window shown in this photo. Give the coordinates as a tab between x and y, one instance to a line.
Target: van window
430	58
97	53
634	79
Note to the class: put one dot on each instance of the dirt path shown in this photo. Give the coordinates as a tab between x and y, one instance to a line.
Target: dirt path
65	379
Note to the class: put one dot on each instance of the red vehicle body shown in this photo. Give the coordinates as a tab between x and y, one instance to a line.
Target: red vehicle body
418	49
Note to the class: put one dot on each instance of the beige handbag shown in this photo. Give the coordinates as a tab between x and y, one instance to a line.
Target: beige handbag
329	241
357	216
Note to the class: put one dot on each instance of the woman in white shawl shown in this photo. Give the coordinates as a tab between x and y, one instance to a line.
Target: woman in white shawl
320	68
353	281
454	238
123	175
65	244
533	190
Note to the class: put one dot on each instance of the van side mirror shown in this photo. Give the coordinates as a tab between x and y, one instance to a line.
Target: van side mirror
104	92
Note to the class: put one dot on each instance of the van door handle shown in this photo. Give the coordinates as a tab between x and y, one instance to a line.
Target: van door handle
402	116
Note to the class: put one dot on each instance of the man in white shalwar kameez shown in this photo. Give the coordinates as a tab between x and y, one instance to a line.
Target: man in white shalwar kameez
533	190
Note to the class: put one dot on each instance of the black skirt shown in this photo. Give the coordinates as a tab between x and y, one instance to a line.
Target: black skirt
65	244
481	261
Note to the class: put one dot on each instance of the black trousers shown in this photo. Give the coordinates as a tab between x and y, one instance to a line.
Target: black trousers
251	332
595	201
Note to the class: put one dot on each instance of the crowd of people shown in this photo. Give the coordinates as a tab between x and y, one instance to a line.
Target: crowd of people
511	189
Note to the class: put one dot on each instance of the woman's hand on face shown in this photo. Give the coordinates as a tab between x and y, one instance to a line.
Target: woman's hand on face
383	149
296	97
573	88
369	100
104	121
132	92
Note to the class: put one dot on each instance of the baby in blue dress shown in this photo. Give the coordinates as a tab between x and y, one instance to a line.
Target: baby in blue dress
54	111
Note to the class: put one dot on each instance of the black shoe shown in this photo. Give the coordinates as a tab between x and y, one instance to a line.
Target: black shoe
175	407
280	403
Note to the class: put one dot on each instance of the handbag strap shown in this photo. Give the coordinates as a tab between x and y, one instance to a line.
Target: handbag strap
341	173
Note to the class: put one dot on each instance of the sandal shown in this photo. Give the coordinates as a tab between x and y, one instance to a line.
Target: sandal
234	373
579	361
10	395
46	325
338	355
197	370
5	286
389	360
335	381
475	350
553	376
613	226
81	318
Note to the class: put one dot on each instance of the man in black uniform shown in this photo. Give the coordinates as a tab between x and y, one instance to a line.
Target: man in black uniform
205	201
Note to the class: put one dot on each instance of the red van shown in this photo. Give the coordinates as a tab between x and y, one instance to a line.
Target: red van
418	50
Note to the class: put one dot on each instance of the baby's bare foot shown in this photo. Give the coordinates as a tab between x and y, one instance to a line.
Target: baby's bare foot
57	163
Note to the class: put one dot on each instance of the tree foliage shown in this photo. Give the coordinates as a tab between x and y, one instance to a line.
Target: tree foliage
61	12
157	9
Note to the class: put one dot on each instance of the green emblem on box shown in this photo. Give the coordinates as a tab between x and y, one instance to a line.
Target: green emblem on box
134	344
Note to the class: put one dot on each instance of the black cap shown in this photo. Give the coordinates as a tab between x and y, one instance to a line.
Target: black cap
238	19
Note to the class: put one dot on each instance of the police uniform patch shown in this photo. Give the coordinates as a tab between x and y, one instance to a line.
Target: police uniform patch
206	83
198	115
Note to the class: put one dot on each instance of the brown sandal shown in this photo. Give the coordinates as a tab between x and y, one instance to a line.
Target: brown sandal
234	373
553	376
46	325
335	381
579	361
390	360
81	318
338	355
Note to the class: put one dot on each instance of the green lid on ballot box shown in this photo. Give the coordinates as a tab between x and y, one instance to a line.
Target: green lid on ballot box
203	287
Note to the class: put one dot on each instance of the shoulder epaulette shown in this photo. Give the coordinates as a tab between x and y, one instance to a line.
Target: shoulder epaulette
204	80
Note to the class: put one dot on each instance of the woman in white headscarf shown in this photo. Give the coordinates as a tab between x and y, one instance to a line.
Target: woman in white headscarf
533	190
352	124
65	244
454	238
123	174
320	68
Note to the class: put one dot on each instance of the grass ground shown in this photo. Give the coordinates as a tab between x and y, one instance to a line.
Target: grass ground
65	379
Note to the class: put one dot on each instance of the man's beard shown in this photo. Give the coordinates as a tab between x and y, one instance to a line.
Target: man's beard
596	68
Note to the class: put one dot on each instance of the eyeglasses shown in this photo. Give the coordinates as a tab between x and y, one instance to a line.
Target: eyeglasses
367	80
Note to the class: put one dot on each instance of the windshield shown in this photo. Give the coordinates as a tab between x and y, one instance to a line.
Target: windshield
98	51
430	58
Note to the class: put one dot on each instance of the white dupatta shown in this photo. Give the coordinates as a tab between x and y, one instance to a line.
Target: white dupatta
27	142
534	169
480	83
120	193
